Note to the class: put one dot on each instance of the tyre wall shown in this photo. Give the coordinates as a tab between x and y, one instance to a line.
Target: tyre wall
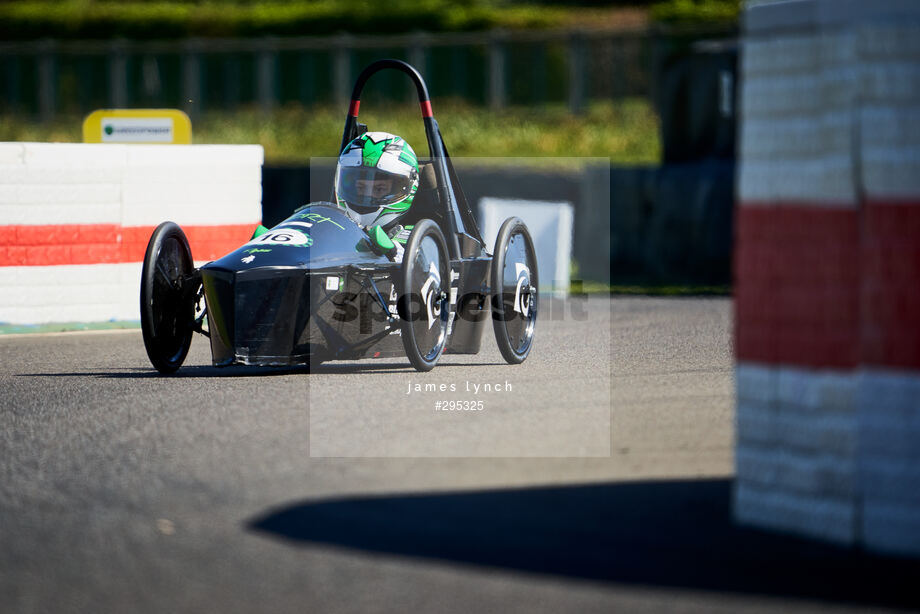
827	272
75	220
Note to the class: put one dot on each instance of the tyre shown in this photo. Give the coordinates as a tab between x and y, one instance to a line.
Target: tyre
168	297
514	288
423	304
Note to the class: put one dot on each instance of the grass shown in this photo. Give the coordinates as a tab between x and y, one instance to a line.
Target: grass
697	12
626	131
652	289
671	290
61	327
169	19
176	19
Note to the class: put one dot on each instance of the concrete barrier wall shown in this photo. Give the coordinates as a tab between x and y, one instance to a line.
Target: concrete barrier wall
75	220
661	225
827	268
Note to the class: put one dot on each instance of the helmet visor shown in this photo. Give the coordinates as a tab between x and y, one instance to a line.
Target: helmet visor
366	188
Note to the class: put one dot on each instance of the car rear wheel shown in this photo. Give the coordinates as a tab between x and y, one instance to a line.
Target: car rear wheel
424	304
515	284
168	295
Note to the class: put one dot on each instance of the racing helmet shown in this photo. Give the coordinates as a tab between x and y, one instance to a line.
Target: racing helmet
376	178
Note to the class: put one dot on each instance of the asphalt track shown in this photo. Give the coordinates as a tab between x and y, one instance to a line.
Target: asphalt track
240	490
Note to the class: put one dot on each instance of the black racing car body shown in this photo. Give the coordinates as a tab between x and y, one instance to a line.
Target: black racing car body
315	288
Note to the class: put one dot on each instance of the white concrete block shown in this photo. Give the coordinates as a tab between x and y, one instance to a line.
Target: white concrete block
888	438
767	18
212	174
753	181
757	465
95	311
783	137
890	41
79	155
66	294
70	194
100	312
779	56
836	392
817	390
758	180
891	172
845	13
194	155
551	226
808	474
91	184
795	387
817	433
823	518
756	383
14	315
54	213
891	528
840	87
782	95
836	133
894	393
887	477
245	208
207	194
127	312
12	154
829	181
837	47
9	195
37	276
25	175
756	424
889	126
129	274
890	82
825	181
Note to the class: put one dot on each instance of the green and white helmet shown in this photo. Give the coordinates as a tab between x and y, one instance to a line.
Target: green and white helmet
376	178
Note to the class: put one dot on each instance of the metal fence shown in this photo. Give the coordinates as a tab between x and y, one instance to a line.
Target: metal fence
496	68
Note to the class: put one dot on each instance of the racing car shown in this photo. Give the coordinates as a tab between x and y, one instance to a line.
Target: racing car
317	288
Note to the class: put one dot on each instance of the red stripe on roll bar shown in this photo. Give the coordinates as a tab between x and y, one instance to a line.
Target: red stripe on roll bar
426	108
353	108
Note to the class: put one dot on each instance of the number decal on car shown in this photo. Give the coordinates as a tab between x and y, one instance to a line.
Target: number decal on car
283	236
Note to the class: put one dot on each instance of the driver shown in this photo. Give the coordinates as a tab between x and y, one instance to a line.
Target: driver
375	182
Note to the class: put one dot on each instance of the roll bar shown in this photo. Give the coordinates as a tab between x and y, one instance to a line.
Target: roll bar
443	169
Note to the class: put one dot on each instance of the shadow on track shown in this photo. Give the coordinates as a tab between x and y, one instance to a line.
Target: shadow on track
209	371
669	533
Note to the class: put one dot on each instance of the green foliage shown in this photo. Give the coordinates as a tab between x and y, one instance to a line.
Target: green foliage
159	19
625	131
696	12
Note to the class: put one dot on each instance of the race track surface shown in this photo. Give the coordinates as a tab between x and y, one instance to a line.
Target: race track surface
601	481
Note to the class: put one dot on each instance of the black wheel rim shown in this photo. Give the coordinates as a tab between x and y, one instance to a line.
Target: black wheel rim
170	317
429	301
519	293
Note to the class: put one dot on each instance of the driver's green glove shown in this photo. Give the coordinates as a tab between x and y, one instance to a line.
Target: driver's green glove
260	230
380	237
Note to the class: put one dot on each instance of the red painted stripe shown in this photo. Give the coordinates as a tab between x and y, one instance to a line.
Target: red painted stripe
797	285
50	245
207	242
353	108
426	108
890	290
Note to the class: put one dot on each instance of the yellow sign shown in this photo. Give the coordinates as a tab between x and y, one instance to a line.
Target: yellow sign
167	126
